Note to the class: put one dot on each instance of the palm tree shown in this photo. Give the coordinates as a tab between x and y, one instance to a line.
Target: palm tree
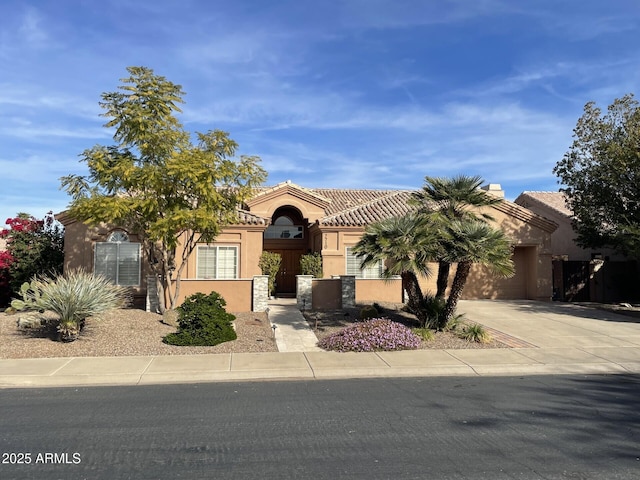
406	245
446	200
471	241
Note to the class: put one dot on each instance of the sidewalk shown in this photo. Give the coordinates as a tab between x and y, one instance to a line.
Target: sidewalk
564	339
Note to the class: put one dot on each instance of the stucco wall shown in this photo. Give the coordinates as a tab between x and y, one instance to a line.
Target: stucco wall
533	237
334	244
563	239
373	290
237	293
532	259
249	243
79	244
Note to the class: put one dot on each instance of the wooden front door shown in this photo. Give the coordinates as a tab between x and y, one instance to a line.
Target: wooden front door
289	268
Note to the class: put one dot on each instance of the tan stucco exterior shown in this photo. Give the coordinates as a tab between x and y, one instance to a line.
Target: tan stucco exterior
529	232
563	239
531	238
79	251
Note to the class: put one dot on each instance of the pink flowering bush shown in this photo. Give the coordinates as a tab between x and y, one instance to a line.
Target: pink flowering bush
370	336
5	292
33	247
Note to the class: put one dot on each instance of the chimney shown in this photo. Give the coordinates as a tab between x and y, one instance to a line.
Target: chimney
494	189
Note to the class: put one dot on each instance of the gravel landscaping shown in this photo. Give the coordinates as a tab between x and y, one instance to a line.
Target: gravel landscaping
127	332
324	323
132	332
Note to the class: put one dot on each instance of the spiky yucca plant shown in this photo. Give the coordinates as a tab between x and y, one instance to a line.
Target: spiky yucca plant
74	296
475	333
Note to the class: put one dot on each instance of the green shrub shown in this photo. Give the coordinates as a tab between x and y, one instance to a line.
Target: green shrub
202	321
73	297
311	264
434	309
475	333
424	333
368	311
269	264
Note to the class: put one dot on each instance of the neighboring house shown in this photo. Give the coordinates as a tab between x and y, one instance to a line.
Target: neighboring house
580	274
292	220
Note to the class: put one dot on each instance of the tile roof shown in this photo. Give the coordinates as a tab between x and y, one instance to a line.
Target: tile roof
263	191
346	207
554	200
248	218
362	207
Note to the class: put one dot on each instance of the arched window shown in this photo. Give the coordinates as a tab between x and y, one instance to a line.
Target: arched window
283	227
118	236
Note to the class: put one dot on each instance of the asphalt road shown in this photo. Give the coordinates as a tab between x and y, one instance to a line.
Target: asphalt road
551	427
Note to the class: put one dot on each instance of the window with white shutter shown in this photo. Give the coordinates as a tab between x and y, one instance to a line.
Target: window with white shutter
118	260
353	267
217	262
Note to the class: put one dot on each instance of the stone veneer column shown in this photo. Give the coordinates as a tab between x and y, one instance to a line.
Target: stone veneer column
260	299
153	302
348	290
304	298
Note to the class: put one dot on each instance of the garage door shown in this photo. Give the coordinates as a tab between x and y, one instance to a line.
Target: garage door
482	284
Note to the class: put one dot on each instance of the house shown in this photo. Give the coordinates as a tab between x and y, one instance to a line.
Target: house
552	205
580	274
293	220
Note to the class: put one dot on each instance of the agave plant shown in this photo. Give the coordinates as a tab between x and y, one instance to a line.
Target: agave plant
74	296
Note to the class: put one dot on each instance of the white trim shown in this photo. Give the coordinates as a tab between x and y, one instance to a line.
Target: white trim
216	273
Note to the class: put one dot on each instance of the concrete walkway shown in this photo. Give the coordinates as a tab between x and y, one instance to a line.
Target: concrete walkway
559	339
292	331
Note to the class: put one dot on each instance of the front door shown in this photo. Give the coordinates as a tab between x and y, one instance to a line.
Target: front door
289	268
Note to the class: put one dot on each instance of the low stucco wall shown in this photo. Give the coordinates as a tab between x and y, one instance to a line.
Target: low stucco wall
237	293
374	290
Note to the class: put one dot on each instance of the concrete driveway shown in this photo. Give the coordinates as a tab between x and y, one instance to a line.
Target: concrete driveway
562	326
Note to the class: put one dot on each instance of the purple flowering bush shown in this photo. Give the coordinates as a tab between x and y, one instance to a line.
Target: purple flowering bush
372	335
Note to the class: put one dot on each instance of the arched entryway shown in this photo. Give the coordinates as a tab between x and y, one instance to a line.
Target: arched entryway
287	236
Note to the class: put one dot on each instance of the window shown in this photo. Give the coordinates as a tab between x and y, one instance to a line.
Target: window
217	262
283	227
118	260
118	236
353	267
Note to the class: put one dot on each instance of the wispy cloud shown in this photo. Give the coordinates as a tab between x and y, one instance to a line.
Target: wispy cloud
31	29
357	93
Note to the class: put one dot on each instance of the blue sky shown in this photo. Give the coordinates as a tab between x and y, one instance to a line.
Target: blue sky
334	93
